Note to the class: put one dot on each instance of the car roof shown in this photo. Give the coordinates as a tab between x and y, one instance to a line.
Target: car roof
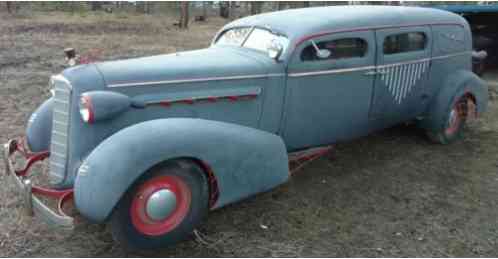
296	23
469	8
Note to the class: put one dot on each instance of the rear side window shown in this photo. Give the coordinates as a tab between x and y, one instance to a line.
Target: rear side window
339	49
404	42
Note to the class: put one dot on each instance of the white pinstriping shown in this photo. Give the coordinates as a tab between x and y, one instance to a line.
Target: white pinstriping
401	79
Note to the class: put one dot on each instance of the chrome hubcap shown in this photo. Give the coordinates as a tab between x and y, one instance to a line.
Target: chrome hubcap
453	118
161	204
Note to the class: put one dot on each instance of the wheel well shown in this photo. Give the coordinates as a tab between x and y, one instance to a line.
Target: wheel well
208	172
472	98
212	181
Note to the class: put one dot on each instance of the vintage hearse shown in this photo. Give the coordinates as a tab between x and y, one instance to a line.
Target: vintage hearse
152	144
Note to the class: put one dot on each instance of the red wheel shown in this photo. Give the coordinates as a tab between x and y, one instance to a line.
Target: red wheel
453	123
455	119
160	205
163	207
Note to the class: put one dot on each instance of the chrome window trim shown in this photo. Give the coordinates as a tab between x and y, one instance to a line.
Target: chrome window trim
346	70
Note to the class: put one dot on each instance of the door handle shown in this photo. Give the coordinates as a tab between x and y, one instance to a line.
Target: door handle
373	73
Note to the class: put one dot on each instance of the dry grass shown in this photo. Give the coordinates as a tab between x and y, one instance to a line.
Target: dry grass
388	194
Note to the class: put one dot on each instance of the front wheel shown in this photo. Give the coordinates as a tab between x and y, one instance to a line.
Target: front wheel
162	208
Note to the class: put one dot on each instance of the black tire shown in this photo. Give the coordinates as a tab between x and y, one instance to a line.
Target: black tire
131	238
451	132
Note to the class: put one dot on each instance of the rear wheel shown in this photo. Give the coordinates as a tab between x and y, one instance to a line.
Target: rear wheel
163	207
454	122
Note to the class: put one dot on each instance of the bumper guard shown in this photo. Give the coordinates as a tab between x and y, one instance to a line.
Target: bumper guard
32	204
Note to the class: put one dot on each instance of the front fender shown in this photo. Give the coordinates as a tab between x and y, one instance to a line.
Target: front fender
245	161
455	85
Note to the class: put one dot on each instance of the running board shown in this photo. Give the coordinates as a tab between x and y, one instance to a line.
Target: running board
299	159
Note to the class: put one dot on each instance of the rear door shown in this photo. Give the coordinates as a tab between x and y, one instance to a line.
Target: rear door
403	61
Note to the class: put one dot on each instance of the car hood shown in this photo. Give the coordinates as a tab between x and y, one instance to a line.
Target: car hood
211	62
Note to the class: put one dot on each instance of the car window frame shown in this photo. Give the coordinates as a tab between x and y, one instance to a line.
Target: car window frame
381	34
221	33
297	65
426	42
308	44
251	29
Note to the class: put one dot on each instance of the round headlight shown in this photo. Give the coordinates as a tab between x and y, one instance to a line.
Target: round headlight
86	109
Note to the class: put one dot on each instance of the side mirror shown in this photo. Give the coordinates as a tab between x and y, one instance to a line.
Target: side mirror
321	53
275	49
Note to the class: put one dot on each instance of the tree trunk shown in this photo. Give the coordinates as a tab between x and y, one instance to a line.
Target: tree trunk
256	7
147	7
12	7
140	7
224	10
9	6
231	7
281	5
96	6
296	4
204	9
184	13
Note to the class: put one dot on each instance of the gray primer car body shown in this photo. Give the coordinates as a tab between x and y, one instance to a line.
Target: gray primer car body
239	112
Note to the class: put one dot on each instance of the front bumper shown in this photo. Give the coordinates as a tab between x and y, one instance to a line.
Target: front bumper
32	204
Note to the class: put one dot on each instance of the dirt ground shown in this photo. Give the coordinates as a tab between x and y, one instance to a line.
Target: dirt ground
388	194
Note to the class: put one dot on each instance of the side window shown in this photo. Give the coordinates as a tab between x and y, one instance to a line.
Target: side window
404	42
339	49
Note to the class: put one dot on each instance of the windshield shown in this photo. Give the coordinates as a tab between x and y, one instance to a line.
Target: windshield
253	38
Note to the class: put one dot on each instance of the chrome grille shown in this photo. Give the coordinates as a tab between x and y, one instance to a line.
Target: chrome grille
60	128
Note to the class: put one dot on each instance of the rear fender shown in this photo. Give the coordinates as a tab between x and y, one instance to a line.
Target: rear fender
456	84
245	161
